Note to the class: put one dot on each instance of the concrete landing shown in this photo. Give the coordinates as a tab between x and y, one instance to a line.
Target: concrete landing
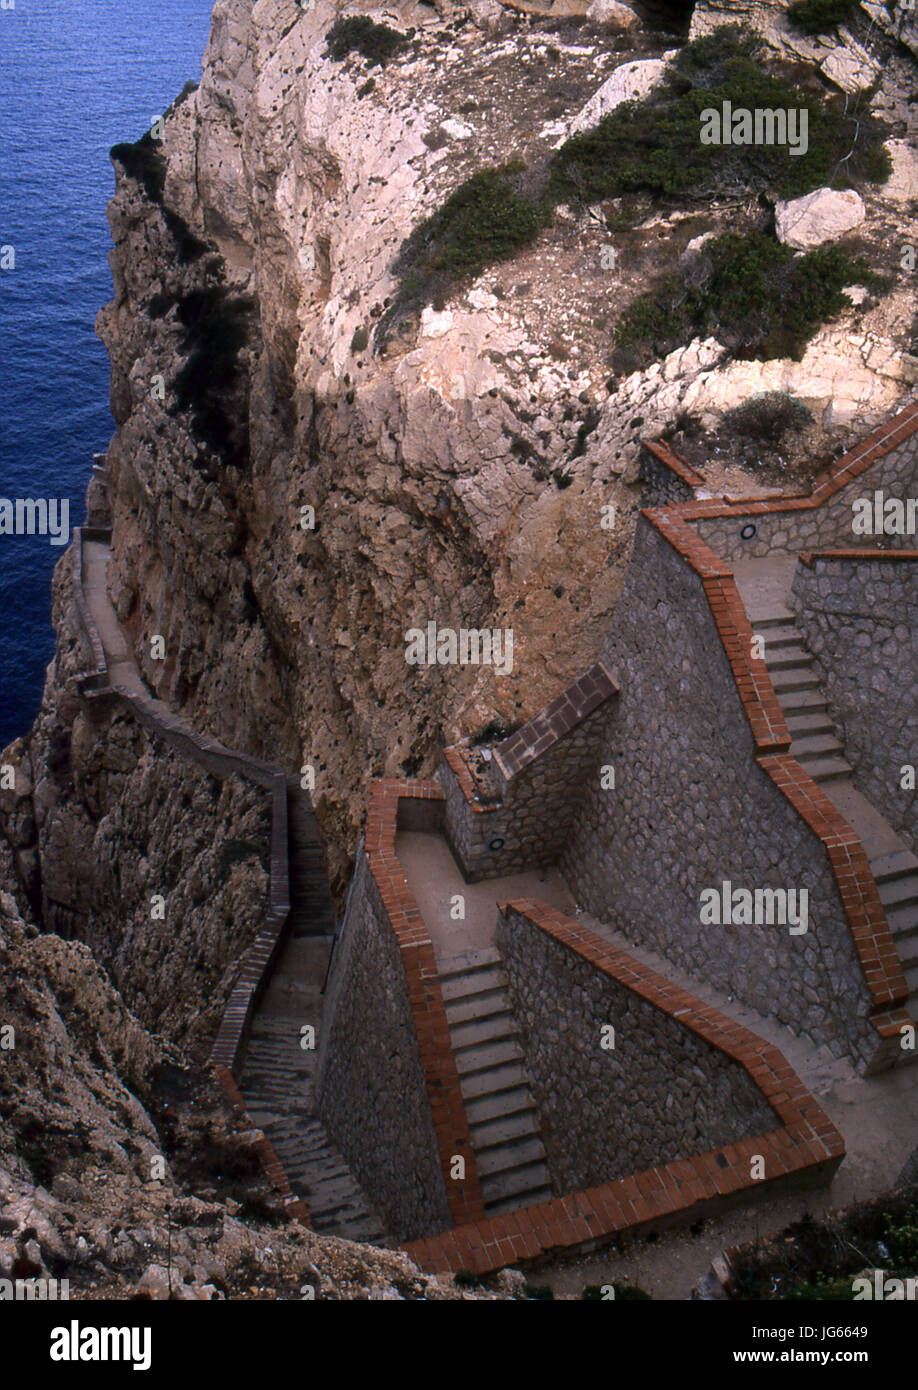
435	878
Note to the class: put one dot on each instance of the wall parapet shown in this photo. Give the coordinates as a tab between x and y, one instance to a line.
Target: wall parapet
866	916
426	999
805	1145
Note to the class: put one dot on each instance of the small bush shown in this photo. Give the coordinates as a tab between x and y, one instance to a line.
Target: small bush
902	1241
466	1279
768	417
493	732
235	852
653	145
143	163
216	329
487	219
538	1291
819	16
756	295
375	42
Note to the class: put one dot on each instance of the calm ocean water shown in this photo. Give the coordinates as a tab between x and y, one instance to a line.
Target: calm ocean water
74	80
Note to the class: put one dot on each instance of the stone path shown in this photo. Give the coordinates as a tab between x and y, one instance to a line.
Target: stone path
278	1075
278	1084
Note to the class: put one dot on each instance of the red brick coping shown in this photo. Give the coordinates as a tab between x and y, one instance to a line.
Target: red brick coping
538	736
553	723
870	931
674	462
457	760
423	979
809	556
804	1142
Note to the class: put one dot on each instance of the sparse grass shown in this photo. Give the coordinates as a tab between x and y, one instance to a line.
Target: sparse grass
653	145
755	295
375	42
819	16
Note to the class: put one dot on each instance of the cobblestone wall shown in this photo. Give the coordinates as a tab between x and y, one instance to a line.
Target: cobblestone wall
371	1088
661	1093
528	826
860	619
691	809
818	528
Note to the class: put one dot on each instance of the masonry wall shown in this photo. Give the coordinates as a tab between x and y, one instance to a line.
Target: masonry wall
371	1087
860	619
818	528
692	808
528	826
660	1094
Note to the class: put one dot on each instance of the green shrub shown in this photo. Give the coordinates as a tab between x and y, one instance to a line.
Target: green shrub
538	1291
818	16
466	1279
755	295
487	219
143	163
375	42
654	145
216	329
902	1242
768	417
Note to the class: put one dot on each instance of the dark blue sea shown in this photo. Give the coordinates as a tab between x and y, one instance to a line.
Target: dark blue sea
74	80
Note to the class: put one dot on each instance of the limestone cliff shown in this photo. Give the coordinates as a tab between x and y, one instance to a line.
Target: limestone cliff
456	471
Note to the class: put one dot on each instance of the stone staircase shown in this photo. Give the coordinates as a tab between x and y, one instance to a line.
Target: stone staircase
278	1085
896	878
816	744
820	752
312	911
502	1115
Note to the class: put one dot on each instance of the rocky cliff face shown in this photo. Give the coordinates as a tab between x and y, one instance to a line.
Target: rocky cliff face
458	474
291	490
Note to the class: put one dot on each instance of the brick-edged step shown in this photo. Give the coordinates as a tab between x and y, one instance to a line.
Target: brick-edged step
498	1106
810	701
778	637
502	1115
775	617
792	682
810	744
786	658
890	867
826	768
810	724
899	892
474	1032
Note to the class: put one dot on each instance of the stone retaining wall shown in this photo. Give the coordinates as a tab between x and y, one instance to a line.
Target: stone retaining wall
659	1094
517	815
371	1086
693	807
860	619
823	520
803	1147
